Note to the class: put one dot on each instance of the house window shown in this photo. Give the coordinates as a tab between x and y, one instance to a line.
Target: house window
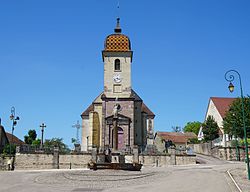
117	65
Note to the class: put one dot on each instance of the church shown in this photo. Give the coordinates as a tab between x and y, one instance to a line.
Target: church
135	121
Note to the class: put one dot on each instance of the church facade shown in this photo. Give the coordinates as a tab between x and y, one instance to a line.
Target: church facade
135	121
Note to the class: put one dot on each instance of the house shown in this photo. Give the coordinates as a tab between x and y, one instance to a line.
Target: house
178	139
6	138
217	107
3	138
14	140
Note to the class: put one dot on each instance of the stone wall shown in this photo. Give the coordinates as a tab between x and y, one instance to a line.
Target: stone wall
34	161
74	161
223	153
47	161
165	160
203	148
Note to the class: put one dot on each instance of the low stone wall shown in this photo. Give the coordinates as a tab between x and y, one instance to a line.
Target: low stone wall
34	161
223	153
203	148
185	159
165	160
74	161
47	161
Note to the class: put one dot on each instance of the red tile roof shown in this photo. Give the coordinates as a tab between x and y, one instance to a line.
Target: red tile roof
176	137
222	104
16	140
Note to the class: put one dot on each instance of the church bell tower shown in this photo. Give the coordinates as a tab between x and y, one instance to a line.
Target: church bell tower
117	119
117	58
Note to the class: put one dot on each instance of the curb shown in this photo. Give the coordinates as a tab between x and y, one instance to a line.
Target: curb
230	175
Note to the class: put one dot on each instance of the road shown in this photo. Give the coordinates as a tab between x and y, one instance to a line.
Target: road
210	176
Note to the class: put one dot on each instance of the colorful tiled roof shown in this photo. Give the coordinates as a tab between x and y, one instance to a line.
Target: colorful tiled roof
222	104
117	42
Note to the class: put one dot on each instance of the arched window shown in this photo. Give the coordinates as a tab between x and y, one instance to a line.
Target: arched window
117	65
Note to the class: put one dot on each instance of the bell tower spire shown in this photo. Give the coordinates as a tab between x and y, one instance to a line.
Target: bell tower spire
118	28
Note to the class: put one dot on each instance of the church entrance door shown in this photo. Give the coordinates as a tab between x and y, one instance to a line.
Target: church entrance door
120	138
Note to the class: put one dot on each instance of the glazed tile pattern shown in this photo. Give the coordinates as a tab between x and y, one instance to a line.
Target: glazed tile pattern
117	42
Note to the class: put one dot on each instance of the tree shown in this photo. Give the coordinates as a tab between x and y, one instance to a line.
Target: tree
36	143
193	127
176	129
56	142
210	129
233	121
9	149
28	139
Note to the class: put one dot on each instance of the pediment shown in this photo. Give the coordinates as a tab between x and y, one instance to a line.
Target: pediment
122	120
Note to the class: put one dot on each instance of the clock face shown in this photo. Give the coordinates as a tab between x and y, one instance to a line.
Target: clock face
117	78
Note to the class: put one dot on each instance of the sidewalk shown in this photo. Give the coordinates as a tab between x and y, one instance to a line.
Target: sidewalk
240	176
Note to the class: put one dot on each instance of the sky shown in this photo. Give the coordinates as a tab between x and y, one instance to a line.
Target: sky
51	66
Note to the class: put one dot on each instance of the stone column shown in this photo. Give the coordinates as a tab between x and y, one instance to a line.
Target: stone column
56	158
115	135
172	156
135	155
94	154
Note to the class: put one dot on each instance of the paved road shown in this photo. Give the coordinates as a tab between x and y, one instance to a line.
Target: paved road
209	177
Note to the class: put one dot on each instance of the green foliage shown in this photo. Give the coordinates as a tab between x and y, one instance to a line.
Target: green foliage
28	139
36	143
242	142
233	121
235	143
210	129
176	128
193	127
56	142
9	149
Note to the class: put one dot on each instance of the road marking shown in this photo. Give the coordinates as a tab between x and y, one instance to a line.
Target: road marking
230	175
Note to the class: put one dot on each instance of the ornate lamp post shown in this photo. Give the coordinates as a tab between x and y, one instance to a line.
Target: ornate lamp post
229	76
42	129
14	120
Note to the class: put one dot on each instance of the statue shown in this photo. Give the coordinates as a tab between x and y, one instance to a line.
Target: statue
116	109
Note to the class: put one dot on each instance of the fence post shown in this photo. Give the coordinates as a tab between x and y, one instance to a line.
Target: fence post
56	158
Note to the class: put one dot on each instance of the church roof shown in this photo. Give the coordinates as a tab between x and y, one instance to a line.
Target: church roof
222	104
86	112
145	109
133	95
117	42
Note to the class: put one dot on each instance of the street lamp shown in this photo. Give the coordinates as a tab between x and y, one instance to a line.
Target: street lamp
14	120
42	129
229	76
